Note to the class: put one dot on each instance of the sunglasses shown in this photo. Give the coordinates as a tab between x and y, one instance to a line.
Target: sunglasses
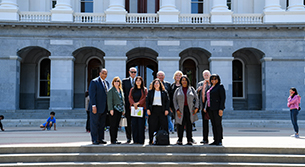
117	81
214	79
133	72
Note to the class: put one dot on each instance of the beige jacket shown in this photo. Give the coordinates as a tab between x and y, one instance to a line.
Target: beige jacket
192	101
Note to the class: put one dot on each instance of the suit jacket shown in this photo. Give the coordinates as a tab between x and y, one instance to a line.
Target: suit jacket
217	98
164	99
167	86
126	85
98	95
113	98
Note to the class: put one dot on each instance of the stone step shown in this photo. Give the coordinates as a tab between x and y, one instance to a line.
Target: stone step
246	123
150	164
152	157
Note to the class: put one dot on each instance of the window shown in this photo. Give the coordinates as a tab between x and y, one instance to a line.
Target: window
44	78
197	6
229	3
238	78
53	3
86	6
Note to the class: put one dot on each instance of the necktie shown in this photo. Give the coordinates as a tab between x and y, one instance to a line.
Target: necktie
132	82
203	92
105	86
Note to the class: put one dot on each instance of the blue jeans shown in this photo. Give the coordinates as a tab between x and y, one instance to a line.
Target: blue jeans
170	123
294	119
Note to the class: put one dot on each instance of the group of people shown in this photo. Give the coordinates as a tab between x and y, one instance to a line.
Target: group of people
159	101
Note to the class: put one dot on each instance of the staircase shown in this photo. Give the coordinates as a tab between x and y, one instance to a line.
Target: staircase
135	155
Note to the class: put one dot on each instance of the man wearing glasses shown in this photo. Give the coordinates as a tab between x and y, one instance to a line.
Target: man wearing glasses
127	84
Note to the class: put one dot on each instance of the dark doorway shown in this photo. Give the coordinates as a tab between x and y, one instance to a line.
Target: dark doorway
189	69
94	67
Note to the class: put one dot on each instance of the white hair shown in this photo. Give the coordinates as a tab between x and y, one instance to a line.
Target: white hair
206	71
132	68
160	72
177	72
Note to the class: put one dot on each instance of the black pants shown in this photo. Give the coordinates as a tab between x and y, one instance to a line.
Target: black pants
156	120
128	127
114	121
97	126
88	121
216	121
138	129
205	127
186	121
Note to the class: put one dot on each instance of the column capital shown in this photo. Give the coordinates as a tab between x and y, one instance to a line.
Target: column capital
221	59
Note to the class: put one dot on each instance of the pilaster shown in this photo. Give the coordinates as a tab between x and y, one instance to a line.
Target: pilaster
62	82
112	64
169	65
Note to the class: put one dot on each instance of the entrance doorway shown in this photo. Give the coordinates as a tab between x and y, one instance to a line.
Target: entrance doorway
94	67
189	69
146	68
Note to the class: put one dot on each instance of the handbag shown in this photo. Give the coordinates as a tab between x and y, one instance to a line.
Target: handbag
123	122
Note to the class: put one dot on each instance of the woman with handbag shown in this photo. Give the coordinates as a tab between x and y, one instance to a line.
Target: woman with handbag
157	103
115	103
215	104
137	98
294	101
186	104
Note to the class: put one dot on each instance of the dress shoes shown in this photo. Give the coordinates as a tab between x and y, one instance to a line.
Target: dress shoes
216	144
116	142
128	141
102	142
95	143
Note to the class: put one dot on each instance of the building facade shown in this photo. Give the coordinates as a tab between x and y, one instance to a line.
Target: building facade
51	49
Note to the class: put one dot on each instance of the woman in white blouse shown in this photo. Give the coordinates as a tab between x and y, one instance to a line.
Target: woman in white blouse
157	102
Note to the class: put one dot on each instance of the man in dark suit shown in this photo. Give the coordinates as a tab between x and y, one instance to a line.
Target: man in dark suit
98	107
127	84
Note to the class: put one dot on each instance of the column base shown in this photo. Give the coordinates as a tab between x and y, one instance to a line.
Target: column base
284	17
168	17
62	15
9	14
115	16
221	17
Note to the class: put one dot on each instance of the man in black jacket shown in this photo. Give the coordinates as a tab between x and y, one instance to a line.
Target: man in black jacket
127	84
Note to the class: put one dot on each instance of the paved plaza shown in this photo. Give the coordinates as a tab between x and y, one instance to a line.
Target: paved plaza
233	137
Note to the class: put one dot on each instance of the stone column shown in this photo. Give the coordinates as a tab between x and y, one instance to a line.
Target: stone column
296	5
169	65
62	82
9	10
62	12
223	67
273	11
112	64
220	12
168	12
9	82
116	12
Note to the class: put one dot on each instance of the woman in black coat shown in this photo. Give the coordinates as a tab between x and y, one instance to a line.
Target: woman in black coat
157	104
215	104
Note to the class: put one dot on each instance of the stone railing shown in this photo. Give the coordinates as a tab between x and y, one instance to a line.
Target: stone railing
89	17
35	16
194	18
140	18
247	18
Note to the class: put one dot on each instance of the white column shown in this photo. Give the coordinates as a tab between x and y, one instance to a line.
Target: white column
116	12
296	5
63	11
9	10
168	12
62	82
169	65
272	5
112	63
220	12
273	12
223	67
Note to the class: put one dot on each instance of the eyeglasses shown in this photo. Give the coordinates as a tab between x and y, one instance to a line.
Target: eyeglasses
133	72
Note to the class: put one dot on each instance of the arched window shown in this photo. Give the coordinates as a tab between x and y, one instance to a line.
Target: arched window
44	78
238	78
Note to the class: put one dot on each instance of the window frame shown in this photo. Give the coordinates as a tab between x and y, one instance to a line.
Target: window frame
88	1
54	4
39	80
229	4
198	2
243	80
